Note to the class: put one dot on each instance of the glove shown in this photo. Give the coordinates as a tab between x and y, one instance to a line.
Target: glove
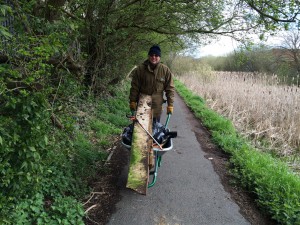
132	106
169	109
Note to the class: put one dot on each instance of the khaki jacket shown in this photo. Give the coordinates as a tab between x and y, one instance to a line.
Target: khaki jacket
153	82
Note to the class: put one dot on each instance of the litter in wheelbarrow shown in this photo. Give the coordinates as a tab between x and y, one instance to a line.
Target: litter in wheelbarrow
160	132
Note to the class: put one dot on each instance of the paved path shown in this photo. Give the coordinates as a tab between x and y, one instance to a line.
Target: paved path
187	191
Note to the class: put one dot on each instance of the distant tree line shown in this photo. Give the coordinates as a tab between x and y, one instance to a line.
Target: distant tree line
284	60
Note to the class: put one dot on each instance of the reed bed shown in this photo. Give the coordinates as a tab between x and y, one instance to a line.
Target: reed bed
258	106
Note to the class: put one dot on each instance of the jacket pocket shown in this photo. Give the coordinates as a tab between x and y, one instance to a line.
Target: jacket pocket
160	82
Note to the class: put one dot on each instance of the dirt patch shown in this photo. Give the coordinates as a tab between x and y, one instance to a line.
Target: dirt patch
102	200
105	189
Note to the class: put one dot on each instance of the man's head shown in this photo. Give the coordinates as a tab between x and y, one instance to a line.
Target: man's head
154	54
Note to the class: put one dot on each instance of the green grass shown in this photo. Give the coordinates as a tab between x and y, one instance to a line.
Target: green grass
110	116
104	128
276	187
135	154
135	179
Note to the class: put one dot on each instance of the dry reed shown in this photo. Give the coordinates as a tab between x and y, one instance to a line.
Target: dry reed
257	105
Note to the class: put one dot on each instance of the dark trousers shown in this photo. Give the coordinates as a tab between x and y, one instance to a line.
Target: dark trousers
156	119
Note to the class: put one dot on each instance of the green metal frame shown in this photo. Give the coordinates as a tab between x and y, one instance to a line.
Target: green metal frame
158	159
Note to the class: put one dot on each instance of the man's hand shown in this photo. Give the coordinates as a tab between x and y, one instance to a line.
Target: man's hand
169	109
132	106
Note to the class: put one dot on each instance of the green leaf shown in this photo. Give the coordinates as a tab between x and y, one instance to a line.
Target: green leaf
1	141
32	149
24	165
46	140
5	33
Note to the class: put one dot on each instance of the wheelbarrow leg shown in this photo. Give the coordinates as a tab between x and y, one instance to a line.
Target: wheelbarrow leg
159	160
154	173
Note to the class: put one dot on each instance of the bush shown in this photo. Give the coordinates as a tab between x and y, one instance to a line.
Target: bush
52	138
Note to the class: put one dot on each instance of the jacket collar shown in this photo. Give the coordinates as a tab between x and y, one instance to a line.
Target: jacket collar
148	65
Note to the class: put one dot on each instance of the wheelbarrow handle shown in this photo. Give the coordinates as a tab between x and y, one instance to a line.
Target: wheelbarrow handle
168	119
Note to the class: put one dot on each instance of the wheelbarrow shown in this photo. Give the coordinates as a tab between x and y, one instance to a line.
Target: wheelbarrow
157	151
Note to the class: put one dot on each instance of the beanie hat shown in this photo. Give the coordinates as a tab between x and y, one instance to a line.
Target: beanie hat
155	49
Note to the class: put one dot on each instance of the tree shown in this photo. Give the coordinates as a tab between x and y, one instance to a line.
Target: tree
291	47
124	26
113	33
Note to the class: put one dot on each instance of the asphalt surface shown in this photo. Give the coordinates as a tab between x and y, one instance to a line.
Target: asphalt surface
187	191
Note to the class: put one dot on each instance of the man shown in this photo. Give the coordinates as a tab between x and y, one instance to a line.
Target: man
153	78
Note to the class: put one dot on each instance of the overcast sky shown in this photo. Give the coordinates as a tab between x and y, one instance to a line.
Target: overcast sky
220	48
226	45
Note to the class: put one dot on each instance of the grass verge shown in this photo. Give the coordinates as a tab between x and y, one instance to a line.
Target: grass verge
276	187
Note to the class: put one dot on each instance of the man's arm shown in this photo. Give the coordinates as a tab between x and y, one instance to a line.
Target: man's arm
170	91
134	89
170	88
